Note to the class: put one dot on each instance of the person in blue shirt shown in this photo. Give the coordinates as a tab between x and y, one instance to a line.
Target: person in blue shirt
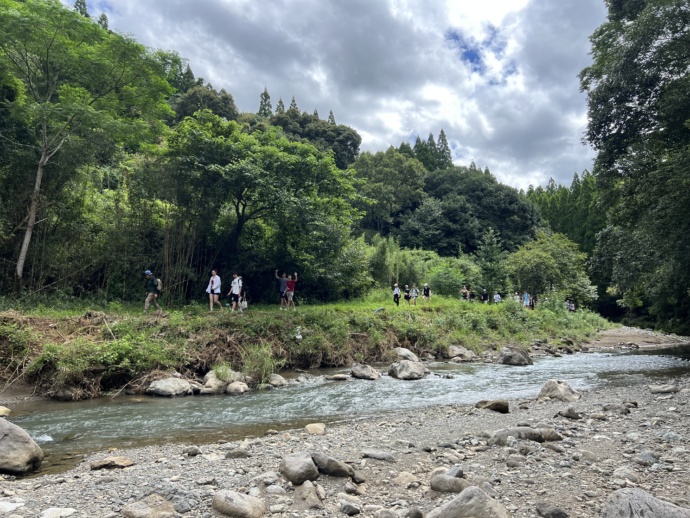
525	299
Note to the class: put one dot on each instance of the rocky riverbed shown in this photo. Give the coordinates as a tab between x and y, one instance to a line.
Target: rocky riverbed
553	459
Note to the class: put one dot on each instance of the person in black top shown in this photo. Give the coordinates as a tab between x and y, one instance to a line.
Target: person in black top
426	292
407	295
485	297
472	295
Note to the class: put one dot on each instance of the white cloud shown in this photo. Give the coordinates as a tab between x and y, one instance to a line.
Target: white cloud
499	76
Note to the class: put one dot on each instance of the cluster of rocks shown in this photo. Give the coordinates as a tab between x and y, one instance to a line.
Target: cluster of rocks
611	452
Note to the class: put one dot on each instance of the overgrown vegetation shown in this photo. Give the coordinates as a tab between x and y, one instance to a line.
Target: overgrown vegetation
96	352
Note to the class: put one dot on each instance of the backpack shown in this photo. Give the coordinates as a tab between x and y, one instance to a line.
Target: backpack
159	285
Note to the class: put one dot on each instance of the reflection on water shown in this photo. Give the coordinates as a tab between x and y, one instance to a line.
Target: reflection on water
66	428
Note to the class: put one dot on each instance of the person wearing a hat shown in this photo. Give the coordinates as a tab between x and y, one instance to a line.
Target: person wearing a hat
426	292
396	294
151	287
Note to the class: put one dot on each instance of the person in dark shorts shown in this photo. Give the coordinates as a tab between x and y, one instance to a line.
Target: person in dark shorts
396	294
426	292
485	297
281	289
407	294
236	292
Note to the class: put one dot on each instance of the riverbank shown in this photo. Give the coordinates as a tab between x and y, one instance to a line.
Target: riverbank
626	437
82	354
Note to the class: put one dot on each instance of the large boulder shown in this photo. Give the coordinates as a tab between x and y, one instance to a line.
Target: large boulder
276	380
458	353
557	389
406	354
213	384
237	505
514	356
237	388
170	387
407	370
636	503
472	502
365	372
298	467
19	454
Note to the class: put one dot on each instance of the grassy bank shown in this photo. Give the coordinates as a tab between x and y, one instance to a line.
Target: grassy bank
95	351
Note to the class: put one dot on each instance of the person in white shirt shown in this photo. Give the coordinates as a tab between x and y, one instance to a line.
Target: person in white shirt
213	290
497	297
236	292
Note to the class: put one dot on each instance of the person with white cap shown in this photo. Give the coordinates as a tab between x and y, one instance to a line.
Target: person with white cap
151	287
426	292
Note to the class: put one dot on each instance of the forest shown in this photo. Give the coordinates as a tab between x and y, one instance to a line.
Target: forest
116	158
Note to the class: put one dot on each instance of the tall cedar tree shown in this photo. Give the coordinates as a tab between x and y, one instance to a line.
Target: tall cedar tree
265	106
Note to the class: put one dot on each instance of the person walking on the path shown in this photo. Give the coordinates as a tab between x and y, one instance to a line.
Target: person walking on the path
396	294
213	290
497	297
525	299
282	288
464	294
426	292
485	297
407	295
414	294
236	292
152	291
473	295
290	291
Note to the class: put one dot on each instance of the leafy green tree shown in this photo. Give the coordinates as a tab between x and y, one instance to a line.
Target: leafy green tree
280	107
638	111
265	106
406	149
490	257
316	114
103	21
551	263
293	105
78	79
331	118
425	154
206	98
444	158
81	8
392	186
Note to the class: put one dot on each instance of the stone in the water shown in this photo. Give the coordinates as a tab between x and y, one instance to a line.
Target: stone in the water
19	453
459	353
237	505
406	354
213	384
497	405
557	389
298	467
277	380
472	502
170	387
365	372
112	463
338	377
237	388
636	503
407	370
153	506
550	510
514	356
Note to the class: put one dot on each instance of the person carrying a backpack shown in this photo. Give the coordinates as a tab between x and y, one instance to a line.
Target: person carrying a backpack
153	287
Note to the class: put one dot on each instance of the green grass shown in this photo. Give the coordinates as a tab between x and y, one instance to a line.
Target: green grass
104	347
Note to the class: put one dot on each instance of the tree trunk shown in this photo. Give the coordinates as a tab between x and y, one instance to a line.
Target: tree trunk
33	209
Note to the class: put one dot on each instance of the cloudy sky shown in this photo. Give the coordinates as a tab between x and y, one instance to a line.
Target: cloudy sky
499	76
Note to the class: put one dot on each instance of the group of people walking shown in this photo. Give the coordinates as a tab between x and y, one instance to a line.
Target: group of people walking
410	295
237	293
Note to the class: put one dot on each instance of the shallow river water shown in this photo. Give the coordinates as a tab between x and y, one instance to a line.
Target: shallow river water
67	430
